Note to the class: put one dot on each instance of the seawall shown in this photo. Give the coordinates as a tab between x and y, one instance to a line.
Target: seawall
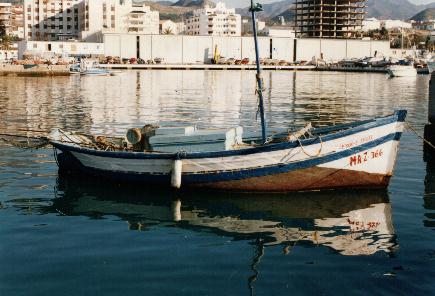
34	70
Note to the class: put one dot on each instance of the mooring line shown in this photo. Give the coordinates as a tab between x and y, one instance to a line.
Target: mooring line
419	136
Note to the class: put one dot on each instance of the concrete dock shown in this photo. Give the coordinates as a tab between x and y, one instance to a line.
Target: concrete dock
34	70
201	67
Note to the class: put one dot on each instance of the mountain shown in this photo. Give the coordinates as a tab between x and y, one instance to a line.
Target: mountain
164	3
425	15
271	10
394	9
288	15
382	9
193	3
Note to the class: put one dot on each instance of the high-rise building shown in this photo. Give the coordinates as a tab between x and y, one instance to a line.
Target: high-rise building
217	21
5	17
17	22
116	16
51	19
86	19
329	18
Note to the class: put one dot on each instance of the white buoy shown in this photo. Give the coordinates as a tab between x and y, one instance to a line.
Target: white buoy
177	169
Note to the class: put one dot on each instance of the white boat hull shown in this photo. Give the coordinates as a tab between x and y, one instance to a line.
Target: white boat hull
402	71
364	157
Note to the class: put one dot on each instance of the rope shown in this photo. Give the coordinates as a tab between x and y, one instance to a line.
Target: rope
309	155
419	136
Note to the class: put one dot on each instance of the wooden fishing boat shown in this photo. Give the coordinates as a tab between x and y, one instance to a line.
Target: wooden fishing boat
360	154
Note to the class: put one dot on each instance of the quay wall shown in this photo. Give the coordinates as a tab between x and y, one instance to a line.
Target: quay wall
182	49
33	70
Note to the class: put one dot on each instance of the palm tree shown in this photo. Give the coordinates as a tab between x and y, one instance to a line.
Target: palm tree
168	31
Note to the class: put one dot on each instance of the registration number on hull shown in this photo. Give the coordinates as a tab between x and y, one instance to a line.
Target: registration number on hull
365	157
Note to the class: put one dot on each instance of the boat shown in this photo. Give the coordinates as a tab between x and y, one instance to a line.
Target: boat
359	154
431	65
91	67
75	69
402	71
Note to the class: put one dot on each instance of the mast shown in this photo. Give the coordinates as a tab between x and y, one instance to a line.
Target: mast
255	7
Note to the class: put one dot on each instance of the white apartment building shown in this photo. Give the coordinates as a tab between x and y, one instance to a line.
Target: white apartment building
116	16
6	16
17	23
168	27
247	26
218	21
51	19
375	24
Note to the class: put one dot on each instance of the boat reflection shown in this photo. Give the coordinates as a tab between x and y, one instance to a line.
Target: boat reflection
351	223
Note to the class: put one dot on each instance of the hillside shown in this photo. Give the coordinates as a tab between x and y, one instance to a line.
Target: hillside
425	15
382	9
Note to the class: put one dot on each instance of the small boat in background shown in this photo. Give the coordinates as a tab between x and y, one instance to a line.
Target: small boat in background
75	69
402	71
91	67
431	65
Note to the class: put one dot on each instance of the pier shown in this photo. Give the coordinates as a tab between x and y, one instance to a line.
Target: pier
34	70
201	67
429	129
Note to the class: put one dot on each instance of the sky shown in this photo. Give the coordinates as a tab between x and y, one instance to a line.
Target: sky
421	1
245	3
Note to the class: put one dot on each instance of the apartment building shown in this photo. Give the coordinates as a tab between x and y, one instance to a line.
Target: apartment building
215	21
329	18
5	17
116	16
17	22
51	20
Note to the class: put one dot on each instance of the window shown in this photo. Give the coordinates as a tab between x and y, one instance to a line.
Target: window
34	44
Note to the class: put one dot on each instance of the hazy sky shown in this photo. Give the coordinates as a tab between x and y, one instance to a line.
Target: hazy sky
245	3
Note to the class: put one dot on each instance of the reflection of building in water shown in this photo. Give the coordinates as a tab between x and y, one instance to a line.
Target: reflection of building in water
359	224
42	104
171	97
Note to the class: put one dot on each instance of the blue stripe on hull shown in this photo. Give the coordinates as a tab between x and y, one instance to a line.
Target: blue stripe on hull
397	117
66	160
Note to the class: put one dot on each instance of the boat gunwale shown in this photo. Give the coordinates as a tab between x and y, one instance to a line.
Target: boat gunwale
398	116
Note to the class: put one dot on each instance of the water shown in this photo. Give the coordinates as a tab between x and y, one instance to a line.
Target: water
63	235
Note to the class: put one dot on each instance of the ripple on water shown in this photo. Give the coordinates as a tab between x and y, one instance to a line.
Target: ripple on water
85	237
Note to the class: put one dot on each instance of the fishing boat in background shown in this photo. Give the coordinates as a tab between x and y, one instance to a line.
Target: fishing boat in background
91	67
402	71
431	65
359	154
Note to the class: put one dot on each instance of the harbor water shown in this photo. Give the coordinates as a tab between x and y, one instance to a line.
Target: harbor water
74	235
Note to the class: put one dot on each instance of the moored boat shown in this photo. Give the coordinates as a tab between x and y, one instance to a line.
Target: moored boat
402	71
360	154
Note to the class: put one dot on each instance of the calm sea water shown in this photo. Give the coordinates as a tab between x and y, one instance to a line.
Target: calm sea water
63	235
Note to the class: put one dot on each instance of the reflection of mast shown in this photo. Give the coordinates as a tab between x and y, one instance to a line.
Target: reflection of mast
259	253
